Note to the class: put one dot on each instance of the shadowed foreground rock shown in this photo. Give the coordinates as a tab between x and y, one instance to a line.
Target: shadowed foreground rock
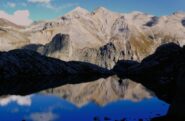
164	73
37	72
25	63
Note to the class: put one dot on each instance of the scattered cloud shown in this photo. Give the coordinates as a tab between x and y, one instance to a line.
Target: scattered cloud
11	4
22	101
50	6
23	17
43	116
40	1
45	3
19	17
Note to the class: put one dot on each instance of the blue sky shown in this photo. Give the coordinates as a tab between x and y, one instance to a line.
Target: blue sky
49	9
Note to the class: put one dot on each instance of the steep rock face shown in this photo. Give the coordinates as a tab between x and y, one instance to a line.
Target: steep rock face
107	55
89	32
77	13
59	47
101	91
163	73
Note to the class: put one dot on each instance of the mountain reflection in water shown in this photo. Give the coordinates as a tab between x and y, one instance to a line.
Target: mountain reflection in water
40	107
107	99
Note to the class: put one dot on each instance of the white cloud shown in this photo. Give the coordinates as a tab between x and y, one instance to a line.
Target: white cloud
11	4
39	1
20	100
45	3
44	116
50	5
19	17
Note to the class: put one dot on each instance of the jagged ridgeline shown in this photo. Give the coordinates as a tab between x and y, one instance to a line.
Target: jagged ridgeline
101	37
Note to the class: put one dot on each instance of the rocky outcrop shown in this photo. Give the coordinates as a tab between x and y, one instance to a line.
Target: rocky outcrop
105	56
162	72
59	47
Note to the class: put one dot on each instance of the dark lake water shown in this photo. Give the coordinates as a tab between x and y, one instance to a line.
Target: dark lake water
44	107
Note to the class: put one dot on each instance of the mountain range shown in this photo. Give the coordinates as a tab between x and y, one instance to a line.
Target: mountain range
101	37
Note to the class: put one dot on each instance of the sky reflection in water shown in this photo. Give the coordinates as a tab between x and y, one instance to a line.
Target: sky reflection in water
40	107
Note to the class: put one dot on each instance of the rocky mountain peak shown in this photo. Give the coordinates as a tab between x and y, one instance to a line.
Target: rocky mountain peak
101	10
78	11
137	13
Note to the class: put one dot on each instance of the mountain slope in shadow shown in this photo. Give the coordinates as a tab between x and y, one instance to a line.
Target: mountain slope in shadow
36	72
22	62
162	72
